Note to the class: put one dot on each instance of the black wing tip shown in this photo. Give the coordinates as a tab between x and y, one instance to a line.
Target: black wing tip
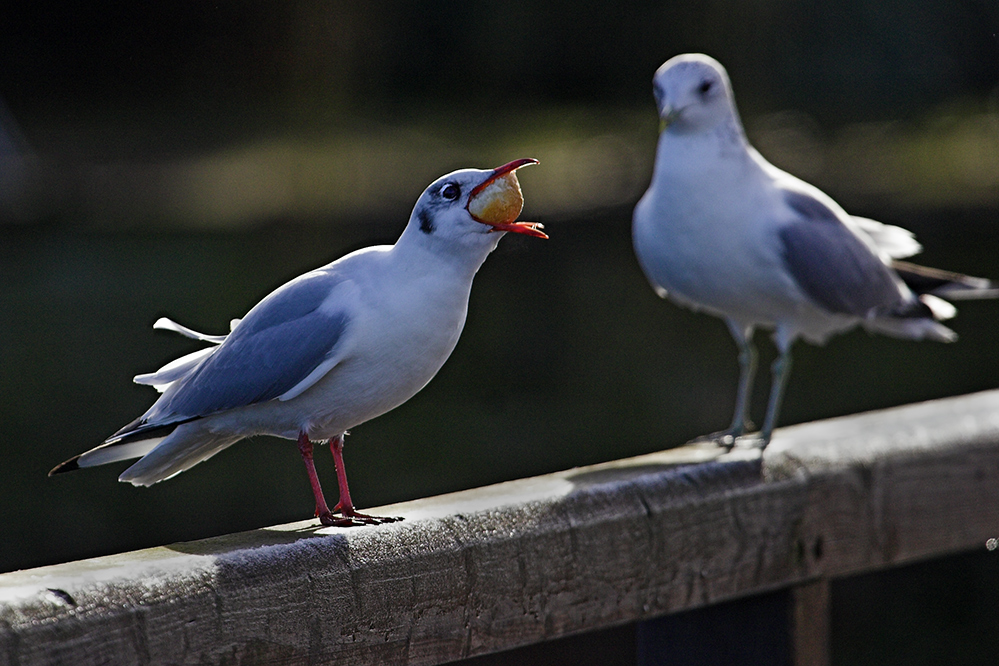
137	430
70	465
134	431
945	284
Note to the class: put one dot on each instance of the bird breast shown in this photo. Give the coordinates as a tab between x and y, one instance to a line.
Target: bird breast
702	245
396	349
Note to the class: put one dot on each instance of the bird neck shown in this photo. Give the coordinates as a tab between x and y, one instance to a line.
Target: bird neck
462	256
694	156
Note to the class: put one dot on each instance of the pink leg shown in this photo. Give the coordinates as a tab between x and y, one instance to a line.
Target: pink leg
305	448
346	505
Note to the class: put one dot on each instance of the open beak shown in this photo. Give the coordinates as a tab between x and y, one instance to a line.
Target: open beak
497	201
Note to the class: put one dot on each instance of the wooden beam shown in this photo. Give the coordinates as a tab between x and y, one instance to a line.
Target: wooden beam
810	608
520	562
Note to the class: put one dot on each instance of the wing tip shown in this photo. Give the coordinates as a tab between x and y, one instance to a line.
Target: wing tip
164	324
134	432
138	430
70	465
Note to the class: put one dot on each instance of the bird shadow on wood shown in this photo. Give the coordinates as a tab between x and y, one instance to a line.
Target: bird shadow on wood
688	468
250	539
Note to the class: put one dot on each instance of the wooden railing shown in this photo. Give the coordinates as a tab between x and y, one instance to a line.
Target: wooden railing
526	561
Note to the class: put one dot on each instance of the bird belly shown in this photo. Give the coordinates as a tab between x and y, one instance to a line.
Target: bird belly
712	261
394	356
361	389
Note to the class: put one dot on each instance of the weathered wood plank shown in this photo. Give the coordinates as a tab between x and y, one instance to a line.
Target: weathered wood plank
524	561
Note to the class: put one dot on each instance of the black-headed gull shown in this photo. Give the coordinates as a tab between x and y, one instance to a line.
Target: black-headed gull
331	349
722	230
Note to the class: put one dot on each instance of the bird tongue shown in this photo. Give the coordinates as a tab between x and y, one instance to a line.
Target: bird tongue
498	201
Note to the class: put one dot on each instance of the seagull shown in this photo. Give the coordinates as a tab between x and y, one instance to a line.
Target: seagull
330	349
723	231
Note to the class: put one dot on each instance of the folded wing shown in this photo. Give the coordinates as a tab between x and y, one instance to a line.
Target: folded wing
278	345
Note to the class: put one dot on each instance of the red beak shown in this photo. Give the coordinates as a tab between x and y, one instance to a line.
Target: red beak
526	228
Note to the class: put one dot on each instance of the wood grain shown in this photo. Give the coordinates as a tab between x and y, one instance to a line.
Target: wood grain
507	565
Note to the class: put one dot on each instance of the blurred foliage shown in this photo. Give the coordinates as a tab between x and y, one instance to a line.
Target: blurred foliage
838	61
234	113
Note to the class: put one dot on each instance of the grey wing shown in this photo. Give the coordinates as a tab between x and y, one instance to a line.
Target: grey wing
282	342
835	268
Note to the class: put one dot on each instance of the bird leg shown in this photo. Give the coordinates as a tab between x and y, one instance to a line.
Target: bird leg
345	506
781	371
747	372
350	517
305	448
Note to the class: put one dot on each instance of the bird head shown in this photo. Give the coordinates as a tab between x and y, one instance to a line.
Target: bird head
476	202
692	94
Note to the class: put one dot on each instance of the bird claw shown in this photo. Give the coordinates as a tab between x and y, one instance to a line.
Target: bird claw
728	439
753	441
355	519
723	438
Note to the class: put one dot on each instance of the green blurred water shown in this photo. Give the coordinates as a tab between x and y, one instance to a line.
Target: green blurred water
568	358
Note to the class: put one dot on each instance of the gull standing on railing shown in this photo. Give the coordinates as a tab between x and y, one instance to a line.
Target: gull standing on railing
722	230
331	349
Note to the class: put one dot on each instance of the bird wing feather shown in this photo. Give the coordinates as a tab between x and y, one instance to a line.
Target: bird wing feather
167	324
837	268
283	341
896	242
174	370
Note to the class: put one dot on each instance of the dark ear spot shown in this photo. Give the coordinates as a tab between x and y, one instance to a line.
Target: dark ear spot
426	223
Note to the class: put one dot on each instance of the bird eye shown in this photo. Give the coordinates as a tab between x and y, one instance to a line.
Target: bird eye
450	191
705	86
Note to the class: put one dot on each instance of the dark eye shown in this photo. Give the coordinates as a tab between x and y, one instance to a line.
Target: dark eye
705	86
450	191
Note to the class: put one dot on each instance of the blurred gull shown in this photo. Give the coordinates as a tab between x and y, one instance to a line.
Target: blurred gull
722	230
329	350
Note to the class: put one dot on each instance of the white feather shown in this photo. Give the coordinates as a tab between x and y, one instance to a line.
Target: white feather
896	242
184	448
116	452
166	324
940	308
173	370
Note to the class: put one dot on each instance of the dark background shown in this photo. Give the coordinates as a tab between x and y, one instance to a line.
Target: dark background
184	160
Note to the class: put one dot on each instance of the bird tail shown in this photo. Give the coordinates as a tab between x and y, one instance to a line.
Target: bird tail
944	284
163	451
920	318
133	441
108	452
911	328
184	448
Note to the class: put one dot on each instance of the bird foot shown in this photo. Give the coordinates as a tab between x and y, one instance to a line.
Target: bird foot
355	519
729	438
723	438
753	440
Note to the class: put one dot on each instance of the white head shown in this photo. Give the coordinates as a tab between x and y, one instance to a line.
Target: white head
693	94
466	206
